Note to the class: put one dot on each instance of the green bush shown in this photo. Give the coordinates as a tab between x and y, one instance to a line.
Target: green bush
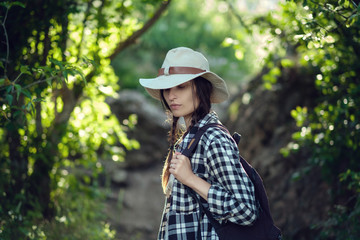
326	36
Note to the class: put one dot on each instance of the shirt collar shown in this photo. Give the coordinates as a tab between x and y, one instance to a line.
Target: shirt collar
211	117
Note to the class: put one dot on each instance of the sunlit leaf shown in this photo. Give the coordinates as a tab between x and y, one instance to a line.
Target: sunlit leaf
25	70
286	63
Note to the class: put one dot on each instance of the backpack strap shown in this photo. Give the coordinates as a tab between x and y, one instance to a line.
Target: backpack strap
188	152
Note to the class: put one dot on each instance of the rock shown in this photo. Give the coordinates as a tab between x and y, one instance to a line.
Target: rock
150	131
119	177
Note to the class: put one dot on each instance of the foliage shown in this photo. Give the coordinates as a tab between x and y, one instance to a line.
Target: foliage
55	75
214	31
344	219
78	203
325	37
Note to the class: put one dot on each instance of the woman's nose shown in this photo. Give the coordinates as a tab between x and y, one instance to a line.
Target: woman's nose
172	94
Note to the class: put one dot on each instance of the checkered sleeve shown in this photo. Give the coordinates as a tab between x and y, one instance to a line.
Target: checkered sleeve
231	196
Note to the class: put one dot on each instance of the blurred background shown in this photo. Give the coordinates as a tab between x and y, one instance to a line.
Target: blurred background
82	144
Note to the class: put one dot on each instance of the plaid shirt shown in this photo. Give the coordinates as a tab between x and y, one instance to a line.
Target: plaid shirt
231	196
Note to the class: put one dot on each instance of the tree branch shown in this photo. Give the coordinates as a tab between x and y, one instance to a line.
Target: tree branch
7	42
122	45
39	81
239	18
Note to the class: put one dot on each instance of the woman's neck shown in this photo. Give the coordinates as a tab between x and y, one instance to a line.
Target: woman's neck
187	120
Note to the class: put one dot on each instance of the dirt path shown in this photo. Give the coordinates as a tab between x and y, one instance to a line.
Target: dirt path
135	211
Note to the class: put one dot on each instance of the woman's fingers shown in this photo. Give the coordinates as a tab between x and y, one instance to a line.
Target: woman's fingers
177	160
180	167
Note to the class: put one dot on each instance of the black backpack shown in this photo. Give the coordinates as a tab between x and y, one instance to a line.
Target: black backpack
263	228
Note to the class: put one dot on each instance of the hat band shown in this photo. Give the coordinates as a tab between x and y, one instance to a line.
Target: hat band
180	70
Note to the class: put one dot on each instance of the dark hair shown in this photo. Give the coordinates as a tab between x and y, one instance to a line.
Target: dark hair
202	90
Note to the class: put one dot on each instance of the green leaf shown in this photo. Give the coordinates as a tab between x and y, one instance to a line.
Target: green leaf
17	209
9	88
30	106
5	4
16	3
3	113
8	4
18	114
57	63
39	100
49	82
295	176
25	70
79	72
267	86
9	98
354	15
65	74
287	63
18	90
26	93
2	65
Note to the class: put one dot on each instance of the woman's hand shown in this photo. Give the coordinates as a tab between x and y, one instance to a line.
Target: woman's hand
180	167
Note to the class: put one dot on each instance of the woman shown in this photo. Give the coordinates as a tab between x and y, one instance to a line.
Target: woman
186	87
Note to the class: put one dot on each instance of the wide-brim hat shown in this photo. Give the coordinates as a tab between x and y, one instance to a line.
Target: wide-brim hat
181	65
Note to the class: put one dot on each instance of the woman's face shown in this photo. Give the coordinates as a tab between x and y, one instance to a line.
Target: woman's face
181	101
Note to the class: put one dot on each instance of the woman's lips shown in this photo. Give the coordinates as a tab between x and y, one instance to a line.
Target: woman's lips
175	106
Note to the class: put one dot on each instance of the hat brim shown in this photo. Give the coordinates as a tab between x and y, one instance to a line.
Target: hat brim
154	85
